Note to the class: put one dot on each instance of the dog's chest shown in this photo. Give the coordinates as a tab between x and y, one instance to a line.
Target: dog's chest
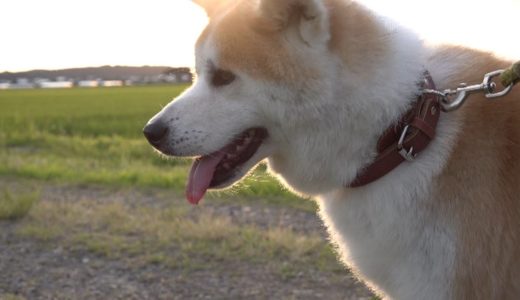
397	236
404	250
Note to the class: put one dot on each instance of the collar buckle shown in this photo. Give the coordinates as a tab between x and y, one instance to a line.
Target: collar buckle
406	154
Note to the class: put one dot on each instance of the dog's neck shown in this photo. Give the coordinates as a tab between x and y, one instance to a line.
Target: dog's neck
406	138
369	101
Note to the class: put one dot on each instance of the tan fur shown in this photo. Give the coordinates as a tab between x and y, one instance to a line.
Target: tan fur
483	175
244	48
212	6
254	46
249	40
364	38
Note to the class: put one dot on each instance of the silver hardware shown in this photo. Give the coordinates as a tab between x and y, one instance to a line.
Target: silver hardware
409	156
489	80
435	92
462	94
453	99
406	154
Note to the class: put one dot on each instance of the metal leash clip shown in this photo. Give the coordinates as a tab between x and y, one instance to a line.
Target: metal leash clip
488	86
488	79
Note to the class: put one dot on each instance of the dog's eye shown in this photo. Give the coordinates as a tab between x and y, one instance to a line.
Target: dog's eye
222	78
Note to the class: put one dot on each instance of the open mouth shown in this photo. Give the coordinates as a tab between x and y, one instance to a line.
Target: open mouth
222	166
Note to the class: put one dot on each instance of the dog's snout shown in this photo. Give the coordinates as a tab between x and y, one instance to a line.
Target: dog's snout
155	131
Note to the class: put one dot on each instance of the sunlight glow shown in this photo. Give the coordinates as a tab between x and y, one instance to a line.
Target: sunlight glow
62	34
56	34
486	25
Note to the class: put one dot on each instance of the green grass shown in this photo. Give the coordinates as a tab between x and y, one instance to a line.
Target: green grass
173	237
84	112
15	206
93	136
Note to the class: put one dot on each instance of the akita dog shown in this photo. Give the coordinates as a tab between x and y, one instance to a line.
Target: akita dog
323	90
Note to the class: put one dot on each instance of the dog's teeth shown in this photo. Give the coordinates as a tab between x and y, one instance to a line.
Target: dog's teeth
248	140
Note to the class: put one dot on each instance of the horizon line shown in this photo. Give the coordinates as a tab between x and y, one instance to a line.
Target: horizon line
93	67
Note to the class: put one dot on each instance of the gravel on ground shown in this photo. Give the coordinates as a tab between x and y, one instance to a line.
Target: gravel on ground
31	269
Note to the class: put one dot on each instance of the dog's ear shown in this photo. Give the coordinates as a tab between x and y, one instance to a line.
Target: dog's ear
211	6
208	5
309	17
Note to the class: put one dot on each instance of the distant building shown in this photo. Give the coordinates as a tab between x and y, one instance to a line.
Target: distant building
56	84
111	83
95	77
88	83
21	83
170	78
39	81
178	75
186	78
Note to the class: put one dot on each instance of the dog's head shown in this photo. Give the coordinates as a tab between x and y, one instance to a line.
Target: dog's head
267	87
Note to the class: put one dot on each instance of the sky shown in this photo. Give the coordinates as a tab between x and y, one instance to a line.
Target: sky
55	34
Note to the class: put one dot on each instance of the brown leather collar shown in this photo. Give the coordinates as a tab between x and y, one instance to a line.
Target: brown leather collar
405	139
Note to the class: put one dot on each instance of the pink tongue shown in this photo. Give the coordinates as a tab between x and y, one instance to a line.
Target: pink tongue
201	175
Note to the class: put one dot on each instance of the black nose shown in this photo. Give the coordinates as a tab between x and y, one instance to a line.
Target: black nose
155	131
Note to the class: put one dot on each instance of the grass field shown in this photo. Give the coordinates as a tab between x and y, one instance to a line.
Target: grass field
94	136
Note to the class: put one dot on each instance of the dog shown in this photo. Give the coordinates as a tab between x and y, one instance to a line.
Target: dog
311	86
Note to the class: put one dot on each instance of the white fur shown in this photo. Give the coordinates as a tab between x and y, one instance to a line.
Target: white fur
386	232
322	131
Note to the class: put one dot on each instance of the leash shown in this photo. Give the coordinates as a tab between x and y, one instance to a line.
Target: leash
452	99
511	75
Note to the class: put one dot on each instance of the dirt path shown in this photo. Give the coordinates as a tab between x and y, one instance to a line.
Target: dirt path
36	270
